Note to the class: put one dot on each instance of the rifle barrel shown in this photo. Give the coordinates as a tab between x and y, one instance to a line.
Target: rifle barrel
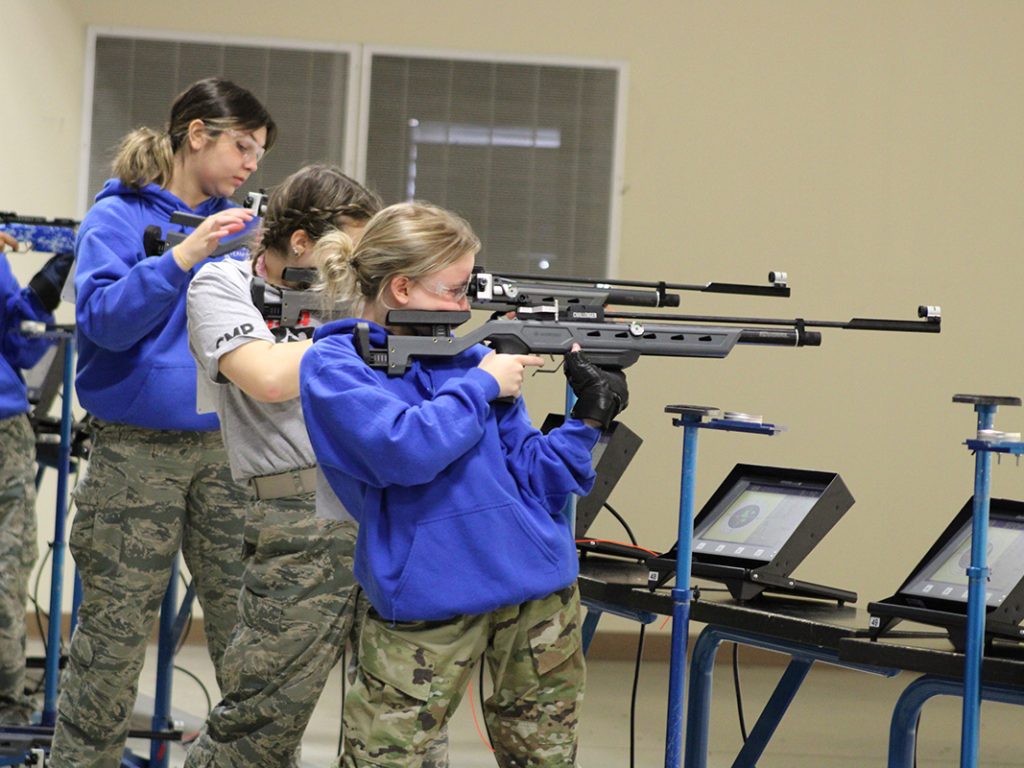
927	325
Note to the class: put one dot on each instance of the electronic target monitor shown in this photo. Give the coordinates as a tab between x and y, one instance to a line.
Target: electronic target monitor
760	524
935	592
755	519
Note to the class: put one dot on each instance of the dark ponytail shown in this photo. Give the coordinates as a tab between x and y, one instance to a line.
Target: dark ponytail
147	156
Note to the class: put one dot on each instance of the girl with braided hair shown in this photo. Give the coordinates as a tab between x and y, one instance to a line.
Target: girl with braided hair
298	599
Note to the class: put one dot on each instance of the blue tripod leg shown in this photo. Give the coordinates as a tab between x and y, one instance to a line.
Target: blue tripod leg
681	596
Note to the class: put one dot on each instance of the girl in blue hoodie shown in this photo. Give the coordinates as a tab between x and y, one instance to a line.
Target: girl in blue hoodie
463	549
158	477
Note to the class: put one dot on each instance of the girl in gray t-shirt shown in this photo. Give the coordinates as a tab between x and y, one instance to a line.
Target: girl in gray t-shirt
298	599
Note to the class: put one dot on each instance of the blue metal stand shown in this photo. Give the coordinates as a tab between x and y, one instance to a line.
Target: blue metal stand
802	658
977	572
173	617
53	633
903	727
64	337
691	418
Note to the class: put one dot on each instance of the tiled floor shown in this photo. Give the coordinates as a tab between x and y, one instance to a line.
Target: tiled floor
838	720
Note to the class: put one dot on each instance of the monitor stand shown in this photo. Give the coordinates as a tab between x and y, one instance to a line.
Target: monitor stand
747	583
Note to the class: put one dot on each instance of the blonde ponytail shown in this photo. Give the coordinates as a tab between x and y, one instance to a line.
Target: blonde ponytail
413	239
338	280
144	156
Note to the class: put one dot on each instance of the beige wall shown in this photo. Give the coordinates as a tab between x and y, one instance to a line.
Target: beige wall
874	150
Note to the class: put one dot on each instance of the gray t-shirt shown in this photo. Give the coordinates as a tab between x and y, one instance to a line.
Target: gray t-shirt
261	438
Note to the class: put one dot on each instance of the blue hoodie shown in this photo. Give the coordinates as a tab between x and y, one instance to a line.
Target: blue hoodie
16	351
134	365
459	499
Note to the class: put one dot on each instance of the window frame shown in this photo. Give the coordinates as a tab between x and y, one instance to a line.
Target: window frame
618	141
354	79
357	107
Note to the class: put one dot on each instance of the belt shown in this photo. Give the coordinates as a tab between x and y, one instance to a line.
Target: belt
294	483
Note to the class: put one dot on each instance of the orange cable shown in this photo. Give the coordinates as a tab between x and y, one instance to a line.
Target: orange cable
621	543
479	731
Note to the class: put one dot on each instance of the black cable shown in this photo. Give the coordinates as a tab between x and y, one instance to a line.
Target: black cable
632	700
206	693
916	728
344	685
188	621
639	650
34	598
736	685
622	520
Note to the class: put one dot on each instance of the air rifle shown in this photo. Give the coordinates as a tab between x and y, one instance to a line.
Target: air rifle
514	292
35	233
154	243
551	324
293	307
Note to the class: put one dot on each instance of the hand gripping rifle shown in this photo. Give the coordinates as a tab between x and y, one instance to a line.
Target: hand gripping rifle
552	314
154	243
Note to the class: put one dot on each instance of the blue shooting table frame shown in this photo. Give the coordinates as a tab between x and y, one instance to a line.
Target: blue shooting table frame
941	669
691	418
173	616
808	631
977	572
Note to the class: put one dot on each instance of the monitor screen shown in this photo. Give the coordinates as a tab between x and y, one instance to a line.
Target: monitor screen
944	577
754	519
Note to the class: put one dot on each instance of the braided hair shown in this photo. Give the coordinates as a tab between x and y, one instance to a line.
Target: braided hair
316	199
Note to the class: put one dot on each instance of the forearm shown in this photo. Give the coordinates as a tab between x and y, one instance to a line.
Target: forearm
266	372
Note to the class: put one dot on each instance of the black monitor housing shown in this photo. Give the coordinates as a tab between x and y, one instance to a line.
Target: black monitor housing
935	592
614	451
758	527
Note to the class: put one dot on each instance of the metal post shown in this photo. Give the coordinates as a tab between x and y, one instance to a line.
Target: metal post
158	749
977	578
53	633
569	510
681	596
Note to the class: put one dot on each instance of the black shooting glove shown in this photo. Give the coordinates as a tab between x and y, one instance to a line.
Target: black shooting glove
601	393
49	281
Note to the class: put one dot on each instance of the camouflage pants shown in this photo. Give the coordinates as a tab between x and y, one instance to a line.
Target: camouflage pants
412	676
17	555
146	494
297	611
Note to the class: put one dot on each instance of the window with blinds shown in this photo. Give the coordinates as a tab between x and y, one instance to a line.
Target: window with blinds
525	152
136	80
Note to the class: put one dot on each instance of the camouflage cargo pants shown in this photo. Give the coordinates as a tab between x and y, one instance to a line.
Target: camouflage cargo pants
412	676
17	555
146	494
297	611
